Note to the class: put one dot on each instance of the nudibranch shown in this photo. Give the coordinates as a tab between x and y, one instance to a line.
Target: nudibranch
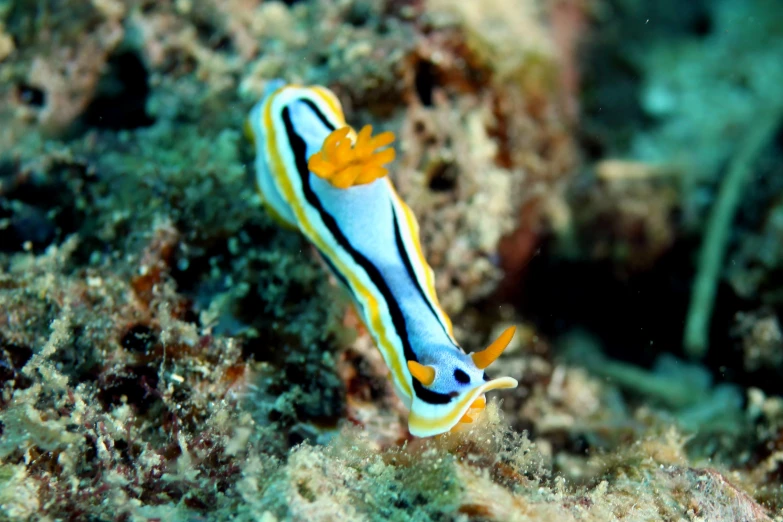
317	175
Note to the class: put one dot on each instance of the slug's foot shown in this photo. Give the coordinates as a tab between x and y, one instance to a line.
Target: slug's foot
472	414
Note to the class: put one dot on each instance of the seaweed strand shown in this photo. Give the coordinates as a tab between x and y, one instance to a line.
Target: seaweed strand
715	243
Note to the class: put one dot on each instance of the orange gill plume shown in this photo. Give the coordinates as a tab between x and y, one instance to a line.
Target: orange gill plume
346	163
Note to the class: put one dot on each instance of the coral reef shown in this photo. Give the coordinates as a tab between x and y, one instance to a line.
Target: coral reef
168	352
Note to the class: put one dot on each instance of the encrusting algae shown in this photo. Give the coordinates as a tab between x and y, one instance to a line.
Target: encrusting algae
169	351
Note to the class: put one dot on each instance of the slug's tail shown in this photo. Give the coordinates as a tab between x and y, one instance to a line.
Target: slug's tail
346	162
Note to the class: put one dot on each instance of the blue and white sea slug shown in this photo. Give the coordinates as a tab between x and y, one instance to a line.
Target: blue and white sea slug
317	175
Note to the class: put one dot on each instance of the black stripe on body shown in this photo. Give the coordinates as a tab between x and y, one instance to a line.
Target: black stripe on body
412	274
299	148
328	261
340	277
318	113
397	235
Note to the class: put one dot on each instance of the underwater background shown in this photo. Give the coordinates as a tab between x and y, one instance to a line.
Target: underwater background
605	174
